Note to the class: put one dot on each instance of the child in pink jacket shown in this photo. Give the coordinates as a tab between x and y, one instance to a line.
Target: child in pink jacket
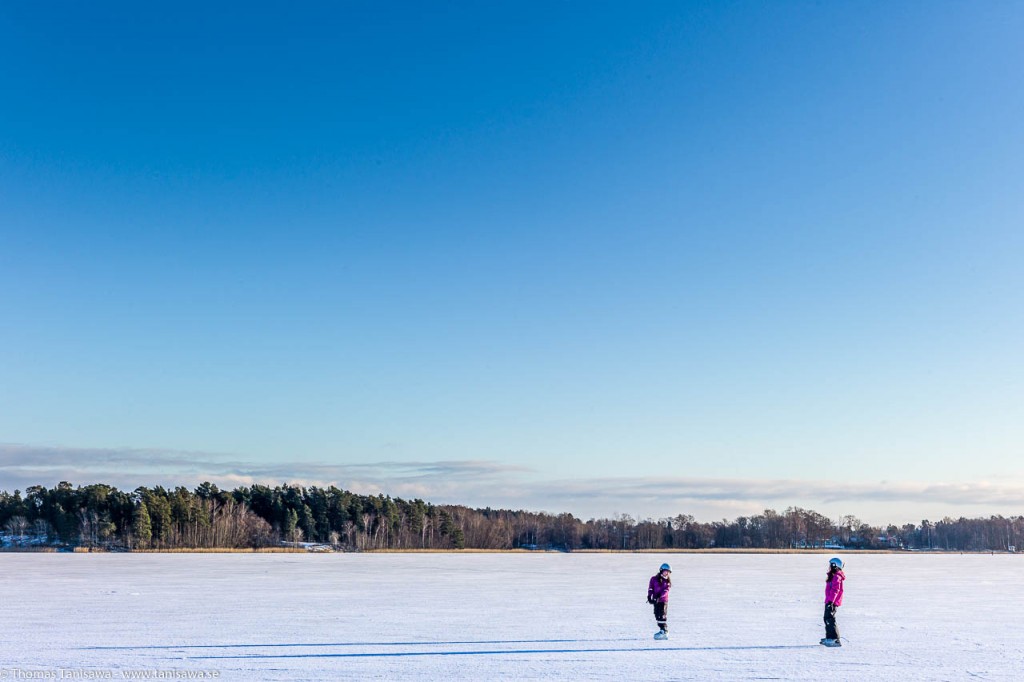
657	594
833	600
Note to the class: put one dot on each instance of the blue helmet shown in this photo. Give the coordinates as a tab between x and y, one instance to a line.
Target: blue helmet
836	561
665	567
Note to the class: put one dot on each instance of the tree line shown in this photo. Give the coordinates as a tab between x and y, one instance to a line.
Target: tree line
258	516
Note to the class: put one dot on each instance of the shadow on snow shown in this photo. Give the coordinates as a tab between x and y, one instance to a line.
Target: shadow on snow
507	652
329	644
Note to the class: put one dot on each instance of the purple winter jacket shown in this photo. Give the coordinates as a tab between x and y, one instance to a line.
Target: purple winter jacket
658	589
834	588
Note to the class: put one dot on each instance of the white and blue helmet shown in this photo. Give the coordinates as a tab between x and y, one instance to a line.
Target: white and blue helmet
836	561
665	567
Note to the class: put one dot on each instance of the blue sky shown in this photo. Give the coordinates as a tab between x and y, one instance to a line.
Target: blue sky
675	258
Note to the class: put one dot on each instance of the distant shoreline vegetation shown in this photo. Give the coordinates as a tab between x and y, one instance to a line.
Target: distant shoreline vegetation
287	517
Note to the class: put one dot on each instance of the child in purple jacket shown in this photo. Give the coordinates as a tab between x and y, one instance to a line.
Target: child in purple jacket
833	600
657	594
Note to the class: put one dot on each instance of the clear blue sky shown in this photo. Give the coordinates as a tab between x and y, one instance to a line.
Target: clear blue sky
581	248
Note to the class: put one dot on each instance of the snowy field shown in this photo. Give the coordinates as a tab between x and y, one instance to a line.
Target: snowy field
505	616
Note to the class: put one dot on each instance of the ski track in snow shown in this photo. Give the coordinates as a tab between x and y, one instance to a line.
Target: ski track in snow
509	616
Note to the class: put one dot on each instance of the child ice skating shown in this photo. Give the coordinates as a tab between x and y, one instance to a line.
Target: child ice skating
833	600
657	594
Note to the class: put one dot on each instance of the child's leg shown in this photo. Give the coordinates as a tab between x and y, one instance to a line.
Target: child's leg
661	615
831	632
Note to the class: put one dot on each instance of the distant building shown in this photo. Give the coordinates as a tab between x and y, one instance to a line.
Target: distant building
891	541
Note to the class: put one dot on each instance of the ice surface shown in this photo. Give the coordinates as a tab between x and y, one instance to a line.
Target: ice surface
508	616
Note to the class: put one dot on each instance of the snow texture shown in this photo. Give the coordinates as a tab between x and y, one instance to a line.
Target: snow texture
508	616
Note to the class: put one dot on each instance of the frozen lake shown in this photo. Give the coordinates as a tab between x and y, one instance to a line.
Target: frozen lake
507	616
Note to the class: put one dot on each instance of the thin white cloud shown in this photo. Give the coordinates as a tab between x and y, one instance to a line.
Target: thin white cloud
481	483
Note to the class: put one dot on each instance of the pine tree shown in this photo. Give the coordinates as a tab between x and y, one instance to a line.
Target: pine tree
142	527
291	530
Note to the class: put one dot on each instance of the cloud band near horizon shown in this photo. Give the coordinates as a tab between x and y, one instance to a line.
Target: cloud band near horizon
483	483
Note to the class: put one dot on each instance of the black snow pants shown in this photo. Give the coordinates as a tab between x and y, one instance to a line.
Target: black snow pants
831	630
661	614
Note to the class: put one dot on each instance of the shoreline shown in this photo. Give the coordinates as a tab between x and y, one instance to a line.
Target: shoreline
299	550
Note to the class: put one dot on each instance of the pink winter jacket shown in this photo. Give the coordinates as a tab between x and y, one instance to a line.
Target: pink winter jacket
834	589
658	589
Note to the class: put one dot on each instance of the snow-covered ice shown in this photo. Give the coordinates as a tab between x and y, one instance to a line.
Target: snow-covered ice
507	616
